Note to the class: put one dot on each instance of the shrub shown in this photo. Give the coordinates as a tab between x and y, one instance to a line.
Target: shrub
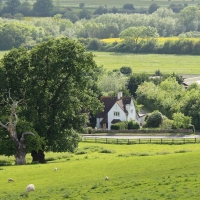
181	121
105	151
166	124
89	130
154	119
5	163
126	70
115	127
133	125
94	44
119	126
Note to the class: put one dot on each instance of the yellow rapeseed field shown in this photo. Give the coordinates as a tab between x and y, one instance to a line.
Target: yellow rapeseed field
160	39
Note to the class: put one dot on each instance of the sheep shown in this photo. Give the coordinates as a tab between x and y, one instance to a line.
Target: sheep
10	180
30	188
55	169
106	178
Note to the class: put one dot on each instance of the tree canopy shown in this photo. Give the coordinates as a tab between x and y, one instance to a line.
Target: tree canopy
43	8
136	34
57	77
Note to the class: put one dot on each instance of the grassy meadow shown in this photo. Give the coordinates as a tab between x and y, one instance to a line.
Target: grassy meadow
149	63
136	172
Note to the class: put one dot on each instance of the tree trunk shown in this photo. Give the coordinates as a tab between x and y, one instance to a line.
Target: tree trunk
20	157
38	156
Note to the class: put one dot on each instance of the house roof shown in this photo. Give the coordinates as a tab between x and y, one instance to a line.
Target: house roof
104	120
109	103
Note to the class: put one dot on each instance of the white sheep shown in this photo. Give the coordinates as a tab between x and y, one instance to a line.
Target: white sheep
30	188
55	169
10	180
106	178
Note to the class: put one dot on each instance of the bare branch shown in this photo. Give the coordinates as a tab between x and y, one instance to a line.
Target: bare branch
26	133
9	95
16	119
4	126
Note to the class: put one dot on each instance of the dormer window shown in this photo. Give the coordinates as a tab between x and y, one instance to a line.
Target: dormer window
116	113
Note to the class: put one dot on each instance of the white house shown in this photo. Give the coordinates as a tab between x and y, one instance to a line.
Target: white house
117	109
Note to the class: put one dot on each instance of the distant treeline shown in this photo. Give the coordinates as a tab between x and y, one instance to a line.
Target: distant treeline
180	46
15	30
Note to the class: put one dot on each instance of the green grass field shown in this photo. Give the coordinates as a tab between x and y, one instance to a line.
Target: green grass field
135	172
149	63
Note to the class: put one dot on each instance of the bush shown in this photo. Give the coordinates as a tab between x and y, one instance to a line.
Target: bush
126	70
89	130
119	126
94	44
133	125
181	121
154	119
115	127
166	124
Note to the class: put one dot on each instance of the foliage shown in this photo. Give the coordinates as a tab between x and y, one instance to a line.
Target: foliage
133	34
135	80
43	8
112	82
126	70
119	126
181	121
12	7
166	124
58	103
157	97
154	119
89	130
82	5
94	44
128	6
152	8
133	125
101	10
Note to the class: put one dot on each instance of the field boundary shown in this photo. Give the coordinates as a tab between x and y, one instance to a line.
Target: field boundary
128	141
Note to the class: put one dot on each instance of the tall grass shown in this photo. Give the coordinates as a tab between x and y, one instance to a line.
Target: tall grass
134	171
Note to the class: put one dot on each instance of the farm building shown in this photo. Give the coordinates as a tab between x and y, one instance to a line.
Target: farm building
117	109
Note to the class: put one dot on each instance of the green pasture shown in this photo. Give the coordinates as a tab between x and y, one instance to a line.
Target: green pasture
149	63
136	172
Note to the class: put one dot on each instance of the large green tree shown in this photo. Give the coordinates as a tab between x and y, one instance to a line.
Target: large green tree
43	8
134	35
14	133
57	76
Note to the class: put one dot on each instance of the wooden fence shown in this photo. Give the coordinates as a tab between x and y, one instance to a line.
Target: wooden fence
141	140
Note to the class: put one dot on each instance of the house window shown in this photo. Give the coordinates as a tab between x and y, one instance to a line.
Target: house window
116	114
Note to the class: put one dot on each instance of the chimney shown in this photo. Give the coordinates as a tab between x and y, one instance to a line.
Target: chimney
119	95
